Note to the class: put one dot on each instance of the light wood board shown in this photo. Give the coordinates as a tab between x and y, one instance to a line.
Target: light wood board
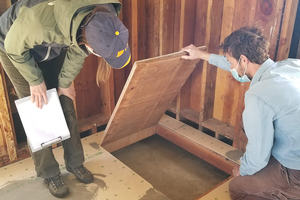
150	88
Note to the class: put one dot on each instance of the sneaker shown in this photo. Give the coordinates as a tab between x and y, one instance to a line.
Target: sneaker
57	186
82	174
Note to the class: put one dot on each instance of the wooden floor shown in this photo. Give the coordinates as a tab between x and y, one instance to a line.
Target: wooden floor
113	179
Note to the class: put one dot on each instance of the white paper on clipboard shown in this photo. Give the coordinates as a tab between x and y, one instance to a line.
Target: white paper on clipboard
43	127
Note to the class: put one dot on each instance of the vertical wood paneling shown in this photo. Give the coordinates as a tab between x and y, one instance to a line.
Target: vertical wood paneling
213	32
153	23
286	31
268	15
166	27
197	99
7	136
186	37
177	25
87	91
119	74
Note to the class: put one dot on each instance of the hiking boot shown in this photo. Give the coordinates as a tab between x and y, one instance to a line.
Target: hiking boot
57	186
82	174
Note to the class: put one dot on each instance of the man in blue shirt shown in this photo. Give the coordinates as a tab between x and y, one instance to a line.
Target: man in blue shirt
270	167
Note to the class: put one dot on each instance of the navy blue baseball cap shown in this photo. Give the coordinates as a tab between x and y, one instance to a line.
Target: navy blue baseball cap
108	37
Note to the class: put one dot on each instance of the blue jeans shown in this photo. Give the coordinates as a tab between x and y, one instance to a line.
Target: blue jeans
45	164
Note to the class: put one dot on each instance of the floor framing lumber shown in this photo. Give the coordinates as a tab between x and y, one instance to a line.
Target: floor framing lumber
215	152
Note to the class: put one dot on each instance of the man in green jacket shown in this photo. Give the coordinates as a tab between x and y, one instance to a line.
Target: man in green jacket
33	32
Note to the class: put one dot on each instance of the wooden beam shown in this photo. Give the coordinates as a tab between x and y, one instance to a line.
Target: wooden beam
204	146
91	122
219	127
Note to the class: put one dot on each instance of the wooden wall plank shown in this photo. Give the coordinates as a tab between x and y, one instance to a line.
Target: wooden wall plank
198	75
119	74
268	15
153	17
186	37
87	91
106	99
177	25
214	24
244	16
6	124
166	27
240	140
287	28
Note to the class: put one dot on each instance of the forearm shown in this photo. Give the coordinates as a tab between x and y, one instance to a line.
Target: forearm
204	55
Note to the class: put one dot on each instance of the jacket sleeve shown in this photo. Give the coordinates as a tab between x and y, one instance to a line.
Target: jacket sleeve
17	44
72	65
219	61
258	123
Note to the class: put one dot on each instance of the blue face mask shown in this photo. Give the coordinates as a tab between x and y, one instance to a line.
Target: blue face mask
235	74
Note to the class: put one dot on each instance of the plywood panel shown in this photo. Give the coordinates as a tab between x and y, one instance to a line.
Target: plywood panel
150	88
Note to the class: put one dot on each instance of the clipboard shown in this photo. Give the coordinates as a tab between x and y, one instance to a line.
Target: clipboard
43	127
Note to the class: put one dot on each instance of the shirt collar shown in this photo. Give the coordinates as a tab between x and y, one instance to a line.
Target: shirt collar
257	76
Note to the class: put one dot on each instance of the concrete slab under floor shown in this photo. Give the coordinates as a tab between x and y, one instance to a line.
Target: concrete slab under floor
170	169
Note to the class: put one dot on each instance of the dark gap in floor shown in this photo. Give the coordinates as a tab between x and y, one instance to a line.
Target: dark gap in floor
170	169
225	140
173	115
208	131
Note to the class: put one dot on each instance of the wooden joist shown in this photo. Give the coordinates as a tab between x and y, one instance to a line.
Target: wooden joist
217	153
219	127
91	123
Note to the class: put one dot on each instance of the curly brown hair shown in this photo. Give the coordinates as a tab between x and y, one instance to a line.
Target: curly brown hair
248	41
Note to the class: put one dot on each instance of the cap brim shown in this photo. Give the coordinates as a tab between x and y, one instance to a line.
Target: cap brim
121	61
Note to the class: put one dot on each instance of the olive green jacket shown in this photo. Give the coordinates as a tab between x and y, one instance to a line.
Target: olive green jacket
37	30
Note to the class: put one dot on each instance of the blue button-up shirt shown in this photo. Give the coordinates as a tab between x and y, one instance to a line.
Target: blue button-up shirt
272	114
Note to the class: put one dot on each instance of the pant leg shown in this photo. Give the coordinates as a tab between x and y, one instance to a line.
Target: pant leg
73	151
45	164
272	182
